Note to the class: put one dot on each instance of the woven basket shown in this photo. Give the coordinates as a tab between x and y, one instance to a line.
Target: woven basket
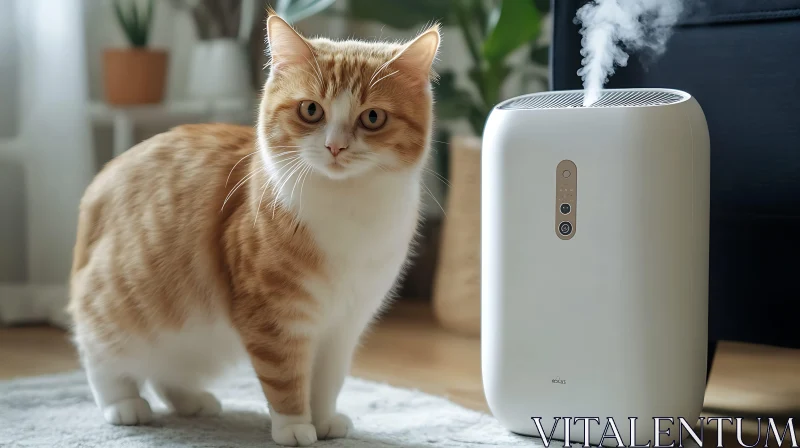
457	287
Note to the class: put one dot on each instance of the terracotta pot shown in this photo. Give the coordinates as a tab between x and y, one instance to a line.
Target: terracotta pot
134	76
457	287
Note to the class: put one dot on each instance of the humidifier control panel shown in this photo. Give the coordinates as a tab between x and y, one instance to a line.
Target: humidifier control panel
566	199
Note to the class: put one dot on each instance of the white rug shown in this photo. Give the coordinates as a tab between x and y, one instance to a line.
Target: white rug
58	411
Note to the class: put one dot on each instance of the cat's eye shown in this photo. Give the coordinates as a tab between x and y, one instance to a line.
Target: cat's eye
373	119
310	111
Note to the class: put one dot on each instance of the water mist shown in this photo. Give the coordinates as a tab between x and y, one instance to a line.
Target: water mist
613	28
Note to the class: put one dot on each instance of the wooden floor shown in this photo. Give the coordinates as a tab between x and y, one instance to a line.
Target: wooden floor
407	349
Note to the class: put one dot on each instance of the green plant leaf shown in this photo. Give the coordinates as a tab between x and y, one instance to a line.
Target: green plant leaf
123	22
490	78
402	14
513	25
136	26
147	23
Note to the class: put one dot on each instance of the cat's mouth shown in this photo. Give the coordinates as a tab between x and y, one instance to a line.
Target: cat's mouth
336	165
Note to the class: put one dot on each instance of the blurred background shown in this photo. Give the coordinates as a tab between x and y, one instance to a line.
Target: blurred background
83	81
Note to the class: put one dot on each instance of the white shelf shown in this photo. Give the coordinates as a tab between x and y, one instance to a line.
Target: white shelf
172	110
125	119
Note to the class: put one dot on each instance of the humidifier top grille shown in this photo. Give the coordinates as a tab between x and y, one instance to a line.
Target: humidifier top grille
608	98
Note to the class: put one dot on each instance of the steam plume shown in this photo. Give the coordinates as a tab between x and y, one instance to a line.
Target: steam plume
612	28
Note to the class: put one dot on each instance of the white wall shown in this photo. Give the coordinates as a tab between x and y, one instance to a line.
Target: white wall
13	262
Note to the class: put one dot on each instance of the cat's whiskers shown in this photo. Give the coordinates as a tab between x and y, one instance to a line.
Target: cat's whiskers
249	176
285	162
296	180
282	164
266	185
253	153
438	176
289	169
303	184
313	75
379	69
237	163
273	202
382	78
284	156
433	197
294	170
280	188
258	210
239	184
318	71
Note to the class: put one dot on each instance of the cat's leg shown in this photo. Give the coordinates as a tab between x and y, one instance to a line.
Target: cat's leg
189	402
331	366
117	395
283	365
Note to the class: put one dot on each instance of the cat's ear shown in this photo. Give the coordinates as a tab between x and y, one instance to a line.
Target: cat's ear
417	57
286	46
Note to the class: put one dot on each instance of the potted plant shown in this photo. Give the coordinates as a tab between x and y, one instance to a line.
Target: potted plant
492	35
135	75
220	66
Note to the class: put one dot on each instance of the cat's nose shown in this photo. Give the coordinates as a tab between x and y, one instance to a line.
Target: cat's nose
335	148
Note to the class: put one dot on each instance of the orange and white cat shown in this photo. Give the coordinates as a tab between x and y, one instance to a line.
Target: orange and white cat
213	243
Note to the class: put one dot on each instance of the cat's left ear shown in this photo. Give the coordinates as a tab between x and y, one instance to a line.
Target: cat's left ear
286	46
418	55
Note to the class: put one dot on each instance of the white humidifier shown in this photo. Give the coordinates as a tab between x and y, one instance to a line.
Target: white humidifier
595	227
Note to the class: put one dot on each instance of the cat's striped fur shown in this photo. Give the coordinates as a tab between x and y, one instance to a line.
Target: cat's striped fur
213	243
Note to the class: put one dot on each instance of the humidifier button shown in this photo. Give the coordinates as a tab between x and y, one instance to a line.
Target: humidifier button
565	228
565	209
566	173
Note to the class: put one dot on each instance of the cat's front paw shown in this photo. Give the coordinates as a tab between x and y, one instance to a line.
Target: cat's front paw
131	411
299	434
336	427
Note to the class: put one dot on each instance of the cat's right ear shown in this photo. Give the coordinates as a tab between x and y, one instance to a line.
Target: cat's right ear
286	46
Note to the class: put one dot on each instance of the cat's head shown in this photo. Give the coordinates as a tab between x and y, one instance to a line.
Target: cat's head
349	107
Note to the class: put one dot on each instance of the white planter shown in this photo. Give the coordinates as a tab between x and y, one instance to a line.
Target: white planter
219	69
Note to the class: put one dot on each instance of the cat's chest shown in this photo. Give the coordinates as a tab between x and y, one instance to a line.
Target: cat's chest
363	242
363	239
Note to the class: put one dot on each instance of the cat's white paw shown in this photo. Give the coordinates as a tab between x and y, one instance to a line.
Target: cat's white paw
300	434
201	404
336	427
131	411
